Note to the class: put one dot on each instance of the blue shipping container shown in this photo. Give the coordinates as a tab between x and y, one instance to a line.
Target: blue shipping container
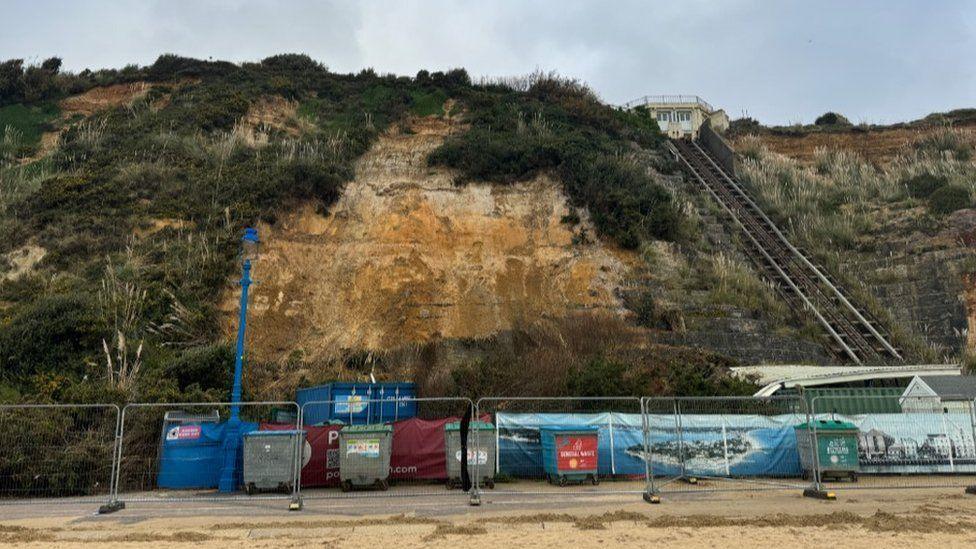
349	402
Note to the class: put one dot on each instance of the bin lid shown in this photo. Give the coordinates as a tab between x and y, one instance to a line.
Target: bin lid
375	428
588	429
473	426
289	433
827	425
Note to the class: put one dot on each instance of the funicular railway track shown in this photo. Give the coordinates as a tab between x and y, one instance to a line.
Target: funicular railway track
853	333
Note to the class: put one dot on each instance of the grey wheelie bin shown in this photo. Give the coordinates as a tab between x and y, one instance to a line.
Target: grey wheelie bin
481	453
364	456
271	459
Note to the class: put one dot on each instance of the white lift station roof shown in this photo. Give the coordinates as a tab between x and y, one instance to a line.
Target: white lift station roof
775	378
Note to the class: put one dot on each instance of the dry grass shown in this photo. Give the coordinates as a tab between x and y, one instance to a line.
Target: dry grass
839	197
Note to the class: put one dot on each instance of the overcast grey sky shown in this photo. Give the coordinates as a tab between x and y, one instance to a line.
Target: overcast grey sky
779	61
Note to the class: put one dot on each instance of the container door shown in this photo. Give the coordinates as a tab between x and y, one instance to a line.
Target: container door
351	404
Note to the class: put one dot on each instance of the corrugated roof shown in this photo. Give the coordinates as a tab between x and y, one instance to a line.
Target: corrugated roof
952	386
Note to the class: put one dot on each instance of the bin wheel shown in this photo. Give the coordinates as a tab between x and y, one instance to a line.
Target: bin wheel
345	485
594	480
853	477
490	483
450	484
805	475
249	489
383	485
562	480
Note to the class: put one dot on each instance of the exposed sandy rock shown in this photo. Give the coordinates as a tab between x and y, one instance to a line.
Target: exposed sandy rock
405	256
266	114
98	99
22	260
87	104
153	226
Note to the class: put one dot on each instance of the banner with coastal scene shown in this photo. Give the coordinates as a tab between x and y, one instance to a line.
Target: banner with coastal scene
742	445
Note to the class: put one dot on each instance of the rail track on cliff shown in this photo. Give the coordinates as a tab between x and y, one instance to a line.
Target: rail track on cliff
853	333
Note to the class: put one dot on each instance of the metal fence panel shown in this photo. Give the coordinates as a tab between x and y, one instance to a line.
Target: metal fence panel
714	444
359	454
930	443
63	451
177	452
565	447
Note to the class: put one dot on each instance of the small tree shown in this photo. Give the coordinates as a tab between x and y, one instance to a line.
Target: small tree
832	119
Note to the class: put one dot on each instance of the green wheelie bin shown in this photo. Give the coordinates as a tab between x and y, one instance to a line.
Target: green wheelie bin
836	448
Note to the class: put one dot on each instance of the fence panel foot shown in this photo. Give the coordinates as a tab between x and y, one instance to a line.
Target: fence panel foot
816	493
296	504
652	498
475	500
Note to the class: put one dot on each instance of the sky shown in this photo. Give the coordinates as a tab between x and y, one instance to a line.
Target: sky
780	61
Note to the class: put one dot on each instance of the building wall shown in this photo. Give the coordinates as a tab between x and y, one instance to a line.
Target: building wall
674	128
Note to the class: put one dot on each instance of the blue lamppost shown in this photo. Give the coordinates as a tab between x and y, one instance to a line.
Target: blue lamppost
230	473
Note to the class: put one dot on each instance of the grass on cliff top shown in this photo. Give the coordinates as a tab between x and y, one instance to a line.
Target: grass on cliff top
21	127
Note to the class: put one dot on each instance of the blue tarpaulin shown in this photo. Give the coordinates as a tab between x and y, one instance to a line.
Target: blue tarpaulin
191	454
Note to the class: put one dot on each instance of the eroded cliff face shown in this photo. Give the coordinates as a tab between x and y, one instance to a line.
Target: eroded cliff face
406	256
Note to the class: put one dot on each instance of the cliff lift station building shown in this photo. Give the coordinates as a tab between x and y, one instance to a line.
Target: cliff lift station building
680	116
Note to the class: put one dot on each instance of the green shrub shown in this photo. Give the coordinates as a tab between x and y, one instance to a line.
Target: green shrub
428	103
558	126
832	119
209	367
923	185
948	199
58	333
600	377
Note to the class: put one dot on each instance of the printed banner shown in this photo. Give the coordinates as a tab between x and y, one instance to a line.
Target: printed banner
914	442
576	452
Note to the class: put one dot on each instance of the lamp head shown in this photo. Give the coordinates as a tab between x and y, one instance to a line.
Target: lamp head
250	244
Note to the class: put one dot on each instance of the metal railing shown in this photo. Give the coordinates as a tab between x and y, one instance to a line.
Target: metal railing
529	432
58	452
668	100
553	449
376	465
721	444
152	464
931	443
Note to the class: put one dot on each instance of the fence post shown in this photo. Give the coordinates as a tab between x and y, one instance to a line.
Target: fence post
971	489
681	443
817	490
296	503
114	504
474	498
650	492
